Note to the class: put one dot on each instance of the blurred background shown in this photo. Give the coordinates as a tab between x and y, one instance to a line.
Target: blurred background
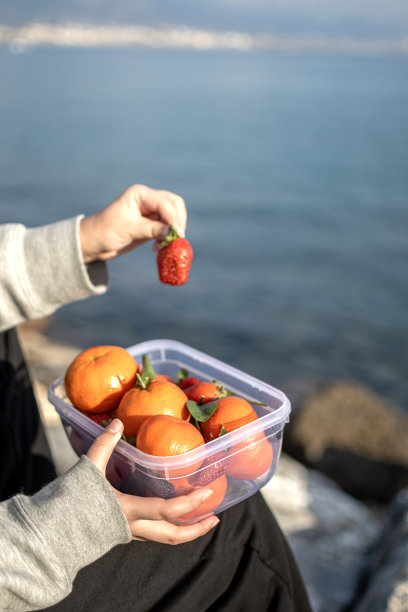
285	129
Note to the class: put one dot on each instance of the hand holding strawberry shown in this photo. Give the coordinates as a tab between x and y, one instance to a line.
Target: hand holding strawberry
137	215
174	259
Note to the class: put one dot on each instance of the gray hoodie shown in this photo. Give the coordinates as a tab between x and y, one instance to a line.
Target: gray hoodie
47	538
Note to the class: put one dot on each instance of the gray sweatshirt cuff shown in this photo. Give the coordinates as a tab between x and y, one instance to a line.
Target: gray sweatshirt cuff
50	536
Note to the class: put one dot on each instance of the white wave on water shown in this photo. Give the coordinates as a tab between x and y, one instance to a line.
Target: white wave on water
24	38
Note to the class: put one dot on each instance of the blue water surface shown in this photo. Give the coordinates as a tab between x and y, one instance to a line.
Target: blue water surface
294	170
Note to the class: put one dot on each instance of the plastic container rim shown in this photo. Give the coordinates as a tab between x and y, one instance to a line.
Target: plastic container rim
264	423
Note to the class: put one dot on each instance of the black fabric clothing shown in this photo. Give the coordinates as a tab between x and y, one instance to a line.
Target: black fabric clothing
24	454
243	565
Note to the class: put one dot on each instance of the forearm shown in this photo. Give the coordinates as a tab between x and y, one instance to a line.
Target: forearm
47	538
42	268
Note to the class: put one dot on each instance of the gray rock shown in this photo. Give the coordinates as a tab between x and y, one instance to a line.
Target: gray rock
351	434
387	583
331	534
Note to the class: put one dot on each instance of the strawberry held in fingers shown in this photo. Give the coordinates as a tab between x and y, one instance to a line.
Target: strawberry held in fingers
174	259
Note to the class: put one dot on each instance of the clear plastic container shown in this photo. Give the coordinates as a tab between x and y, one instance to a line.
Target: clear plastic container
234	466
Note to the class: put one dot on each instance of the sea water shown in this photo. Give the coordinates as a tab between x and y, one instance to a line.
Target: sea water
295	174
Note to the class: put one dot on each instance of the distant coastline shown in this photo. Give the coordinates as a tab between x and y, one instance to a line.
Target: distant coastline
24	38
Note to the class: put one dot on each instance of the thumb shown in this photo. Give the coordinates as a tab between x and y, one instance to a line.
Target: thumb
101	449
152	229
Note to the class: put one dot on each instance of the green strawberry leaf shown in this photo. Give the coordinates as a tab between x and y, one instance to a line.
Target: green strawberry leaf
201	412
182	374
223	431
130	440
172	235
222	391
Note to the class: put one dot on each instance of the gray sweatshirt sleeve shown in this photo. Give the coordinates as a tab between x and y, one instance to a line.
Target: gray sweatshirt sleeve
42	269
47	538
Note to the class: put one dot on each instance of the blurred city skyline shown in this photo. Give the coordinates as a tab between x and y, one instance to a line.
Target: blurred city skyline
358	19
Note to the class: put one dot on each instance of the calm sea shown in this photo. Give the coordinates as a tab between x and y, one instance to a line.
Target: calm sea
295	172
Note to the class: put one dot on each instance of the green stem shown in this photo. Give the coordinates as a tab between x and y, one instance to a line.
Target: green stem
172	235
141	382
148	370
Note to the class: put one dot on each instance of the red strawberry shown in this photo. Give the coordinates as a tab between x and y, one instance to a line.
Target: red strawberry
204	392
174	259
212	468
102	418
157	487
189	381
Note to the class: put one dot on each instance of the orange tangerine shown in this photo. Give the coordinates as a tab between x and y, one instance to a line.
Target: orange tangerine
158	397
232	412
163	435
98	377
219	488
164	377
250	458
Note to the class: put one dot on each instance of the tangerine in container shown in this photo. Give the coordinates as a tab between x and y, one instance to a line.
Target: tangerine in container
234	449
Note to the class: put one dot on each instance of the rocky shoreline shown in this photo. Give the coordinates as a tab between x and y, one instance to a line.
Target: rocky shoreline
340	492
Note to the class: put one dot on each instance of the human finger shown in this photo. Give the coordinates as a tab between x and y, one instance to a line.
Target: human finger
157	508
168	206
168	533
180	205
101	449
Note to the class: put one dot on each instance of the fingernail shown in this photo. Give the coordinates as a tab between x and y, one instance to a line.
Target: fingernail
214	522
114	426
206	494
163	232
180	231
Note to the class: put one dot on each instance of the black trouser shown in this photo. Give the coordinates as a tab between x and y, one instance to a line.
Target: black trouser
25	458
243	565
